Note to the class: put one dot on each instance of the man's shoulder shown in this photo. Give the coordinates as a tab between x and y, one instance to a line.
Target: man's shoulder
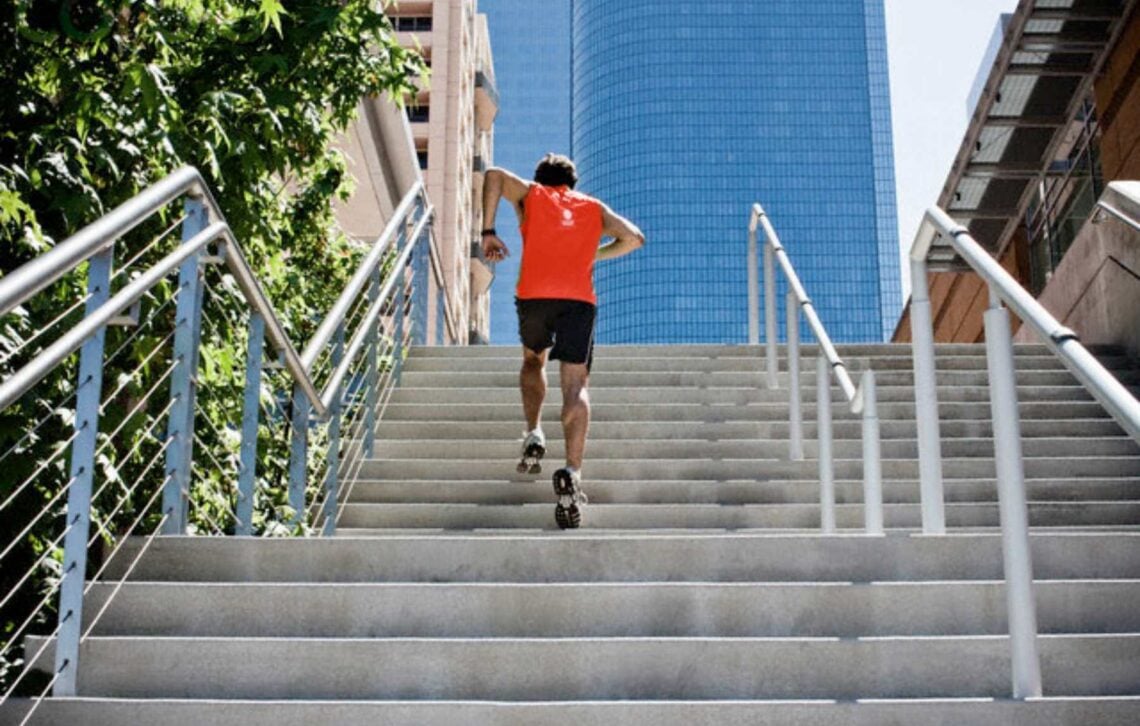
581	197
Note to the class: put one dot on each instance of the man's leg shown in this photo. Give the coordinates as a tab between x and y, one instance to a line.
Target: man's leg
574	343
575	411
532	384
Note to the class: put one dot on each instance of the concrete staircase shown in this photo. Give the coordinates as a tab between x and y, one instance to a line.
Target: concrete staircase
697	591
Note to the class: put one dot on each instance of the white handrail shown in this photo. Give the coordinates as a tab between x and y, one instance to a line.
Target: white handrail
1104	386
760	218
1123	200
861	399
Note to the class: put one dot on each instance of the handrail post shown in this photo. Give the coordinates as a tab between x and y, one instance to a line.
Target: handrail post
332	481
299	454
926	402
753	289
1011	499
872	458
770	331
183	380
824	436
420	290
398	313
371	375
251	412
440	316
795	411
89	390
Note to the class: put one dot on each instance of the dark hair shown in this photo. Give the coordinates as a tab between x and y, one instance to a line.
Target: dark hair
556	170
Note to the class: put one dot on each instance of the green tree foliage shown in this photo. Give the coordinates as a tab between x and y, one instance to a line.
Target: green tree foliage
104	97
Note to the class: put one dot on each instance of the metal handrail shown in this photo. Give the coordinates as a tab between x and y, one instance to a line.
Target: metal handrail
360	278
32	372
25	281
1005	294
760	217
370	317
407	236
861	398
1064	343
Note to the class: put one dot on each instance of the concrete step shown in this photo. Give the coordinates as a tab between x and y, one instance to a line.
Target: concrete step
390	430
719	413
1049	711
356	517
843	610
755	379
594	668
733	350
739	396
603	364
599	448
602	557
803	491
755	469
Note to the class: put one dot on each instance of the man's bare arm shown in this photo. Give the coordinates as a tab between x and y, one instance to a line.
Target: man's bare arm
500	184
627	237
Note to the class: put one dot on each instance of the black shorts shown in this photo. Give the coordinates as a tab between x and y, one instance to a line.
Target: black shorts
568	325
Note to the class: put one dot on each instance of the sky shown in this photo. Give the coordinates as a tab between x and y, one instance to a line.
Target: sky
934	48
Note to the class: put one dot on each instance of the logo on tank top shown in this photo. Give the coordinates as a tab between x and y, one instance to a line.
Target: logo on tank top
567	218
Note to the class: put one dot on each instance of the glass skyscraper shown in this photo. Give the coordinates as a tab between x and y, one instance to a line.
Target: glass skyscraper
686	112
530	41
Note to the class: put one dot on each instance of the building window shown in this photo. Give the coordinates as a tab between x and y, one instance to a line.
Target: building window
422	156
1064	203
419	114
413	24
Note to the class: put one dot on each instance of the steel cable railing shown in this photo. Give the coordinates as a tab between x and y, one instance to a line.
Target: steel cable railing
1121	200
155	460
829	364
111	462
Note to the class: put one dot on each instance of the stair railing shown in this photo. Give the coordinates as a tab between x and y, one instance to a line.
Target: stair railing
344	376
1005	293
862	400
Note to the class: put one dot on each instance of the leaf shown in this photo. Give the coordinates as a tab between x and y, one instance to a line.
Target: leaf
271	12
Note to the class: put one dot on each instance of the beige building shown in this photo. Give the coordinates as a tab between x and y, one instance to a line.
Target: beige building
452	126
444	137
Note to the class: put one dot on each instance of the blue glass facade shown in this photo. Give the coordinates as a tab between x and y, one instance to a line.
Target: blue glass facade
530	42
681	119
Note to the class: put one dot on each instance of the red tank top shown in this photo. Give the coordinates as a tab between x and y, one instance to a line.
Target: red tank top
560	230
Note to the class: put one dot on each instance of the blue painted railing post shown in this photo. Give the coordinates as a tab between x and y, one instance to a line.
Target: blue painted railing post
420	289
187	335
371	376
299	454
332	480
251	411
398	313
440	317
88	392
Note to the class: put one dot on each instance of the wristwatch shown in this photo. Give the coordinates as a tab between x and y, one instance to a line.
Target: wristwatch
489	230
